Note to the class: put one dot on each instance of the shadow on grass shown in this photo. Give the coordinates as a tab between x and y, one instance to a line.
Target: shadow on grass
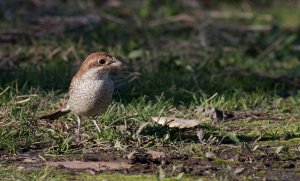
190	135
177	79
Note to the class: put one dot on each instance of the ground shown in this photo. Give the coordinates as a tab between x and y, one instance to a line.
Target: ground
233	66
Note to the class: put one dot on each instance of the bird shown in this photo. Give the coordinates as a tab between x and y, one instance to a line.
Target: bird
91	89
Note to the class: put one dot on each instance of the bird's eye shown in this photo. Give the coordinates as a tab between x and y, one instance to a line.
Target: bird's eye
101	61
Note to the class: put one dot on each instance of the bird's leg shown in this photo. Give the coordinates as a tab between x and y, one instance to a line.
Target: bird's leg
94	120
78	128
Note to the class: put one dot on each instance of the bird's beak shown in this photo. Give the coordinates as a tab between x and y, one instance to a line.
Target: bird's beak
116	64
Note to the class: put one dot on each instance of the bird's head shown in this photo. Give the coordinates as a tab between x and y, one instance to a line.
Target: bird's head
99	64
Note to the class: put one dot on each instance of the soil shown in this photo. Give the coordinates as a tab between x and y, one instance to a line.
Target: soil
234	165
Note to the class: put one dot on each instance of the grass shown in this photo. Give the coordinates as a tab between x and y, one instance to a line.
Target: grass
167	75
51	174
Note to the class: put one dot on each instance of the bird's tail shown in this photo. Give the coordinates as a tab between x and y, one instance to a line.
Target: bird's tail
56	114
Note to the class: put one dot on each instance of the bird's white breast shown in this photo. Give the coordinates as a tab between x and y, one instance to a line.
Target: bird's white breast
90	96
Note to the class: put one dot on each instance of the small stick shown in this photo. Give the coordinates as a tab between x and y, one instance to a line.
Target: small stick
6	89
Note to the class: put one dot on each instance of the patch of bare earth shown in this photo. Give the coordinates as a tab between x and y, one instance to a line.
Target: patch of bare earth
225	163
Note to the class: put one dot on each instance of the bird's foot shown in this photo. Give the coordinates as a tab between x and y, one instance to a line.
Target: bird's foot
78	137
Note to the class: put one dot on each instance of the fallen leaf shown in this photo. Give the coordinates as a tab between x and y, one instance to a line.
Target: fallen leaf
97	166
176	122
156	154
30	160
200	134
239	170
